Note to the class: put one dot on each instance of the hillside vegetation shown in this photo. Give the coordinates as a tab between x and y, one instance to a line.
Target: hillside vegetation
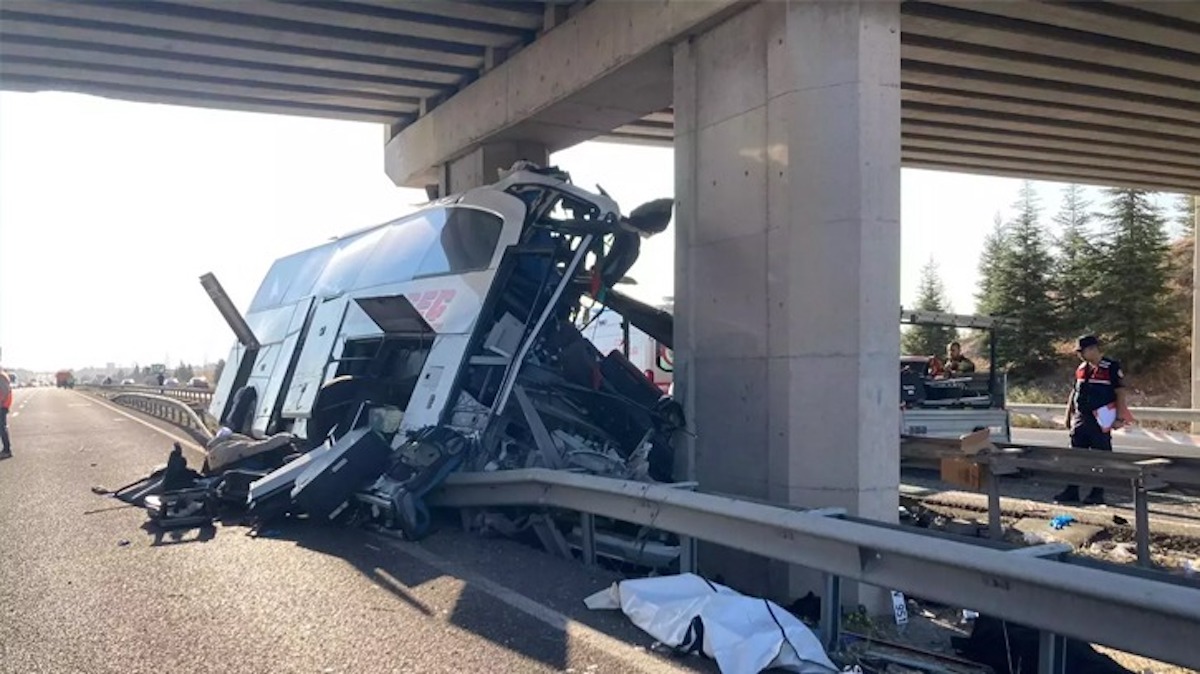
1121	269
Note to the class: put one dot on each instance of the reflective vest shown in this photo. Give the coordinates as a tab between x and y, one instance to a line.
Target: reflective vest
6	403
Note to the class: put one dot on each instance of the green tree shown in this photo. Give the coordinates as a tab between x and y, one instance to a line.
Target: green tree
1022	289
1133	303
220	367
1075	267
929	340
1185	215
184	372
991	264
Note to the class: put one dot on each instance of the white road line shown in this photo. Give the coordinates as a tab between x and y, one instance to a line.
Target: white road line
631	654
177	438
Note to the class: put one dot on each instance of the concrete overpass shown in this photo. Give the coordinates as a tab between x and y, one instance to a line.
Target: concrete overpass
1104	92
790	121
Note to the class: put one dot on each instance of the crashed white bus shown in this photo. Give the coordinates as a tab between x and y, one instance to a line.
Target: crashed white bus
461	317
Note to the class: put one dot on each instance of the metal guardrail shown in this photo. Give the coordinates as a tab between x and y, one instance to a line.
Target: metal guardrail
1141	612
1139	472
172	410
1142	413
199	395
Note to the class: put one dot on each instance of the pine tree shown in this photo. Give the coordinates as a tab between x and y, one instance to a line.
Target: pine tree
1132	305
929	340
991	264
220	368
1185	215
1182	259
1075	266
1022	289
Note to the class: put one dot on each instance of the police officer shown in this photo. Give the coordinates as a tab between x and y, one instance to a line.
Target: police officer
1095	408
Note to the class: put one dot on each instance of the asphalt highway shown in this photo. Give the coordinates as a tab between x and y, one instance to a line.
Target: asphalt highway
86	586
1134	440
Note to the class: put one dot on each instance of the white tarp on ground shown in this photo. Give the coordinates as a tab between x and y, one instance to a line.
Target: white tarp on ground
745	635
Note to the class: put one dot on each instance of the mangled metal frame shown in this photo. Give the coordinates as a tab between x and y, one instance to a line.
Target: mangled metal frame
528	390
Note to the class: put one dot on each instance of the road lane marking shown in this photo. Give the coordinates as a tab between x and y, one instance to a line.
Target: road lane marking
161	431
631	654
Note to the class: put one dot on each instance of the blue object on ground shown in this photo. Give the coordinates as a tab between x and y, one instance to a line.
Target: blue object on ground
1061	522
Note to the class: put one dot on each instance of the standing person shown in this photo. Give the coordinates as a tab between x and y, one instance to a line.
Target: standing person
6	399
1096	407
956	363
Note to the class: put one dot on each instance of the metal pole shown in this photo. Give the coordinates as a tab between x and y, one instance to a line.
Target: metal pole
587	523
831	612
625	336
995	526
687	555
992	363
510	376
1141	511
1052	653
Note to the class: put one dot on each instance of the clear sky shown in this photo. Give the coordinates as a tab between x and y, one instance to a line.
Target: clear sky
110	211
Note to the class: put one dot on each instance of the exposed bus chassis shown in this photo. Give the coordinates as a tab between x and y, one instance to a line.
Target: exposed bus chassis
528	390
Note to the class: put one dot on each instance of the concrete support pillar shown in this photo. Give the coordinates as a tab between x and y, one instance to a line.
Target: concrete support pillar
788	263
481	166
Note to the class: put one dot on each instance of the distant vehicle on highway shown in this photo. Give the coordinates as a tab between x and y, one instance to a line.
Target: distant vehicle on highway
128	382
171	382
198	382
64	379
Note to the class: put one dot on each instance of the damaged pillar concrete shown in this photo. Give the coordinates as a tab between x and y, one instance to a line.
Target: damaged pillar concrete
481	165
788	263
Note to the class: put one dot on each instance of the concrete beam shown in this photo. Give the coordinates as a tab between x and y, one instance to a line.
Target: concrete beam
1097	18
992	166
496	14
482	165
1034	124
205	100
1046	91
1186	11
608	65
349	17
922	49
285	95
226	69
1007	105
1074	160
964	25
967	136
212	47
111	16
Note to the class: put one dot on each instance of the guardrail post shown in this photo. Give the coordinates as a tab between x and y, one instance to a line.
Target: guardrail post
587	524
1141	521
995	525
1052	653
687	555
831	612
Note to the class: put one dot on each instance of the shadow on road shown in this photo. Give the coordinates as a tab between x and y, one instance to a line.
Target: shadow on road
476	610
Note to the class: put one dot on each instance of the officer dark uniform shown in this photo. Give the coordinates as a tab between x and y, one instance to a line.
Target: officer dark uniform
1097	380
